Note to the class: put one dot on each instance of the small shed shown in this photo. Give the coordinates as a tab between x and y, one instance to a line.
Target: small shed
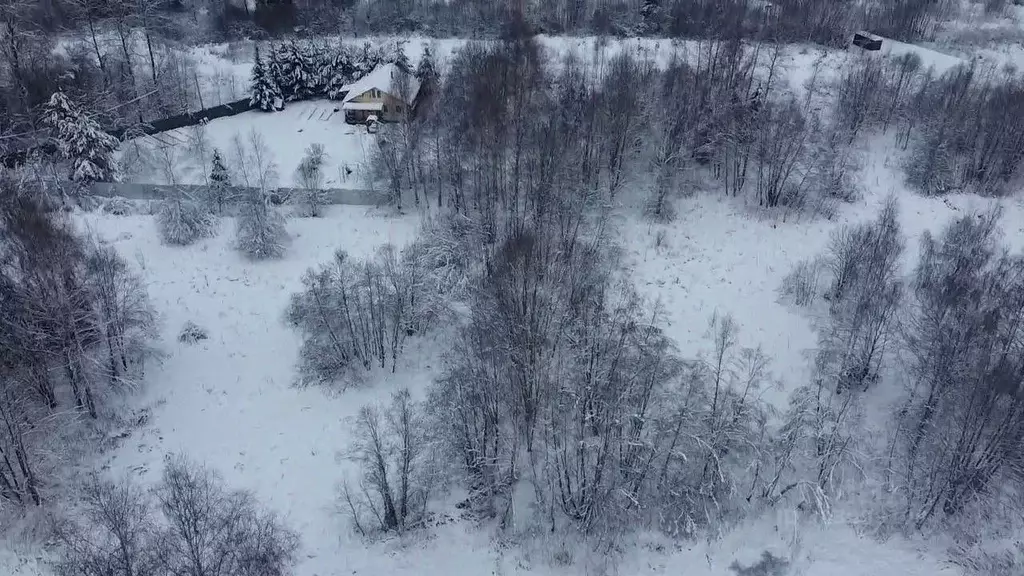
867	41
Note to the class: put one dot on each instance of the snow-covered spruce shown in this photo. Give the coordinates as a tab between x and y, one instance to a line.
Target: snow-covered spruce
260	231
219	190
264	92
182	221
80	140
342	72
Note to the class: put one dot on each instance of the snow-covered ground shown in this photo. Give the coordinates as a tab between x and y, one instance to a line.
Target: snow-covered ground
229	402
286	134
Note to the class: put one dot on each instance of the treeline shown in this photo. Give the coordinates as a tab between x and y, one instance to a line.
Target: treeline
826	22
562	385
297	70
963	129
122	60
951	332
581	133
75	331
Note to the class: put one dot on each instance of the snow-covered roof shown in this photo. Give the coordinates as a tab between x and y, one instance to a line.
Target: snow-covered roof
362	106
384	78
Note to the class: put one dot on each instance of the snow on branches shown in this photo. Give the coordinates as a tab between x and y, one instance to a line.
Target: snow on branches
80	140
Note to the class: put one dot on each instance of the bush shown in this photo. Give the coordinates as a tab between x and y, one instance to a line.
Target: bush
192	333
309	176
260	232
803	283
181	222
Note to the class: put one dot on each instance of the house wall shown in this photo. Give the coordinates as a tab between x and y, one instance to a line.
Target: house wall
394	110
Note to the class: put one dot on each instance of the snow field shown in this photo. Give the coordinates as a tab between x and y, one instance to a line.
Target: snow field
228	402
286	134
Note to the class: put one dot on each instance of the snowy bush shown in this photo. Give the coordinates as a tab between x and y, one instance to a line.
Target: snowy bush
191	333
803	283
260	231
181	222
118	206
768	565
395	463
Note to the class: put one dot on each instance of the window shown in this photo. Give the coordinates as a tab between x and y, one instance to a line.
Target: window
384	108
398	108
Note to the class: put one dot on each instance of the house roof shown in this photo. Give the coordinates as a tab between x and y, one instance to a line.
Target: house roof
384	78
362	106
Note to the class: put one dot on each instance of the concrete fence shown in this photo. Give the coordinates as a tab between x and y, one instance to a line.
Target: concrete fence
134	191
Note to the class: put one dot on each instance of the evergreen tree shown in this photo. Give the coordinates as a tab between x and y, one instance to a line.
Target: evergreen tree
290	70
81	141
220	182
317	65
366	61
426	71
264	90
650	17
400	58
342	72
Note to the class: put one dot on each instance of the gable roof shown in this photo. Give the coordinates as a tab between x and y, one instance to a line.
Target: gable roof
384	78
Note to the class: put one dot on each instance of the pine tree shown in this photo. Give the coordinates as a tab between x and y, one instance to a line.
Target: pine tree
290	70
220	182
400	58
81	141
317	64
342	72
366	60
650	17
264	90
426	71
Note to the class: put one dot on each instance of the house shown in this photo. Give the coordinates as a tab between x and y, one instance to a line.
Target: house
389	93
867	41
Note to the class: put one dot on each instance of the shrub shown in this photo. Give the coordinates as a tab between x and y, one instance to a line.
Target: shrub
181	222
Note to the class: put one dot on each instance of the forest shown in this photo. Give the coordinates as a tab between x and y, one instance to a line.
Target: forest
559	384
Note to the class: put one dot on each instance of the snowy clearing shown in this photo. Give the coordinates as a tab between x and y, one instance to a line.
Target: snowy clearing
229	401
287	134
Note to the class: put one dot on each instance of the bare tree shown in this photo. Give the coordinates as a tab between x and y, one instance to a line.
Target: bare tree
395	460
114	535
958	435
212	531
